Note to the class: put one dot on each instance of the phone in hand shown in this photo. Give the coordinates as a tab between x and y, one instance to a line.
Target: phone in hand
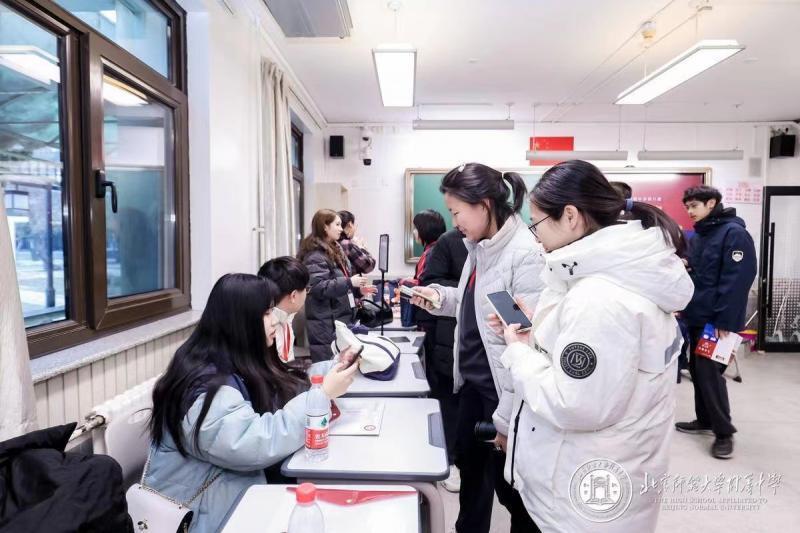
411	293
350	356
508	310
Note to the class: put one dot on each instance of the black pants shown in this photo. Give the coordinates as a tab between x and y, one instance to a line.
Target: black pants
441	385
482	471
710	390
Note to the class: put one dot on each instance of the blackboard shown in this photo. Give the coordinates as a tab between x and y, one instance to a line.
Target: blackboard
659	186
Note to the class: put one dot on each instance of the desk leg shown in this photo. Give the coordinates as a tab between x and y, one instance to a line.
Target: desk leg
435	505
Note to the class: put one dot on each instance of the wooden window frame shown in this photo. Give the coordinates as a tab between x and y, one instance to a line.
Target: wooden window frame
85	55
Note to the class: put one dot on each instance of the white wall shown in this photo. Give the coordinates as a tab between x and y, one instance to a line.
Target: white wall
377	195
224	56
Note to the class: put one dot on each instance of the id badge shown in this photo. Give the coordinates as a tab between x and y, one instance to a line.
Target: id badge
351	299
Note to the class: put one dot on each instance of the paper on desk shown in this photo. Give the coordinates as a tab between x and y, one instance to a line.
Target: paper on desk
363	419
725	348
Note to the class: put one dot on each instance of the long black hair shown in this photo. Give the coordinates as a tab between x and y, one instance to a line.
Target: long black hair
584	186
229	339
473	183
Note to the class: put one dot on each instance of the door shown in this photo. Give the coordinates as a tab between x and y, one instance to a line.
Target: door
779	288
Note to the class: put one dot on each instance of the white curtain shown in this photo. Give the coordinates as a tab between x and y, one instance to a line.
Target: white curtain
276	214
17	402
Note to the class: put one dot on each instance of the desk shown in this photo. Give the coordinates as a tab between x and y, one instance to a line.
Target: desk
410	381
394	325
266	509
413	344
410	450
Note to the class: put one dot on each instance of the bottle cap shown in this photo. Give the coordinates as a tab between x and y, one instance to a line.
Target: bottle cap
306	493
316	379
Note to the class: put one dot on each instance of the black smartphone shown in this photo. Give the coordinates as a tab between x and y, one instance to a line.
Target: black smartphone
508	310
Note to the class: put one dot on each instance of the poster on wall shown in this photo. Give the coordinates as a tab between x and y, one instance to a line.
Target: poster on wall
661	187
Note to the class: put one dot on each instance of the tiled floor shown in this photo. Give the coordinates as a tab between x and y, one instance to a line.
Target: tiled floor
766	411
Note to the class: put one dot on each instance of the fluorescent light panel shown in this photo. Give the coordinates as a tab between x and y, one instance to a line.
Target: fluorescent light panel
689	155
463	125
395	66
689	64
587	155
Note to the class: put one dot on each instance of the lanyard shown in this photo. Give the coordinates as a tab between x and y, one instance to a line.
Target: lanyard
422	260
472	278
286	342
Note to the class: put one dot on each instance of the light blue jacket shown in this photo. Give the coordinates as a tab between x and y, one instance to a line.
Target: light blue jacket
235	441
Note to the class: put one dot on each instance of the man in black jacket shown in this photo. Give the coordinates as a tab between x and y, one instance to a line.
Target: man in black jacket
444	266
722	263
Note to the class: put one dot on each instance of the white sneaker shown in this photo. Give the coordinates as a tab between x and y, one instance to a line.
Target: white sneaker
452	483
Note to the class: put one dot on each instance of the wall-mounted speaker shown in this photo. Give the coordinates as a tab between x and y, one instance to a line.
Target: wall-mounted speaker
782	145
336	146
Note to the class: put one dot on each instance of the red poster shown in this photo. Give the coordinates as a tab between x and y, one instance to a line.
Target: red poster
550	143
664	191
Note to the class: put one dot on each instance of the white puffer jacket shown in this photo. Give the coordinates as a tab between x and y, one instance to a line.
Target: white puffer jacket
510	261
594	400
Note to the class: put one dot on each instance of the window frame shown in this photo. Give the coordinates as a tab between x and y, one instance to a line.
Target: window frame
84	55
299	176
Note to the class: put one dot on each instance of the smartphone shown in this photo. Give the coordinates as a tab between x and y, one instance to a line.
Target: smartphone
352	357
508	310
410	293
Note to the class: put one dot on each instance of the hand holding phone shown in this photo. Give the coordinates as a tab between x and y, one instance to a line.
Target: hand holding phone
421	296
508	311
350	355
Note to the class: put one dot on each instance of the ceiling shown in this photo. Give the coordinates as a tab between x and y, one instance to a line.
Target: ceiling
579	53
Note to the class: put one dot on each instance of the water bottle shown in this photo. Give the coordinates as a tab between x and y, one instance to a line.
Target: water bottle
318	417
306	516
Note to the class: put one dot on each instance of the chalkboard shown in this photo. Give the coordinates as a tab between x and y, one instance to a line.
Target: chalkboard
659	186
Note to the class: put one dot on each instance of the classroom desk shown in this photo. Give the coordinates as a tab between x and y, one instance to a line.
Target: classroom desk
410	381
266	509
410	450
409	342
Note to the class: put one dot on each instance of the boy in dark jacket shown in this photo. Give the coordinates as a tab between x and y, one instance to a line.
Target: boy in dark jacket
722	263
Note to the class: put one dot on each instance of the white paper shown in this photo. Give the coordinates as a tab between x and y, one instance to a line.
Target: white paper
725	348
364	419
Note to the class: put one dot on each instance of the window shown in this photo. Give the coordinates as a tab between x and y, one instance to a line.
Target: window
106	143
298	181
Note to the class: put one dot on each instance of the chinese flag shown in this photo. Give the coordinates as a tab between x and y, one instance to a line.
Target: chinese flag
550	143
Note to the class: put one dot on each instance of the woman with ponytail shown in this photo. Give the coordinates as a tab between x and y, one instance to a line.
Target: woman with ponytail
502	256
594	379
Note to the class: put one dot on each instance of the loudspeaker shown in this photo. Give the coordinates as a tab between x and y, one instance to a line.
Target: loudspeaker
782	146
336	146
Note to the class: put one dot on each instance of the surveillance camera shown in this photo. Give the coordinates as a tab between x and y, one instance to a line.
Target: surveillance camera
366	147
367	162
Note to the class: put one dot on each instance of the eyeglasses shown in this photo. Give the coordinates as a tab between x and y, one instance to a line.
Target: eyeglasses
532	227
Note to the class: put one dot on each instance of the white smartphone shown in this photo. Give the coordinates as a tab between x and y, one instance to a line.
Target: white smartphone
508	310
409	292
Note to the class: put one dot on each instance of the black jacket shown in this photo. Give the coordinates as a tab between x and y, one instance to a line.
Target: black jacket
44	489
722	263
327	302
444	266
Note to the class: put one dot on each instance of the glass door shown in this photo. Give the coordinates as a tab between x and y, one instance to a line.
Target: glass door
779	288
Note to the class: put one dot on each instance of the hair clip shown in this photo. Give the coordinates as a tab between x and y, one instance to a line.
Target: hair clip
461	168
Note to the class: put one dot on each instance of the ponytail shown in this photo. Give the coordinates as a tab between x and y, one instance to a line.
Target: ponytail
474	183
584	186
518	189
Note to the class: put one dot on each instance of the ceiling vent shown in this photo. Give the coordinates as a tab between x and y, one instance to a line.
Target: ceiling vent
312	18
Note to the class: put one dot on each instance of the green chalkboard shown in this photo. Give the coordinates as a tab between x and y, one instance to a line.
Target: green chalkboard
422	192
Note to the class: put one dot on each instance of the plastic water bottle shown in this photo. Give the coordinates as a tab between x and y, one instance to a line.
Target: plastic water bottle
318	417
306	516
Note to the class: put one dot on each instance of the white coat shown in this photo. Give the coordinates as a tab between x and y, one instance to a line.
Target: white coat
594	390
510	261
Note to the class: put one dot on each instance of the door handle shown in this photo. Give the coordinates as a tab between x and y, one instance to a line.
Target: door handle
100	186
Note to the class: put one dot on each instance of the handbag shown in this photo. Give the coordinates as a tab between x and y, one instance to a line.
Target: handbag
373	315
380	357
153	512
